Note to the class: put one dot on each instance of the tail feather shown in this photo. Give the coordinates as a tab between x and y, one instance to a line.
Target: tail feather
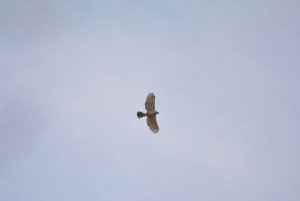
140	114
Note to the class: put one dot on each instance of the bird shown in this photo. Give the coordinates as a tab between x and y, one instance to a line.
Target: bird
150	113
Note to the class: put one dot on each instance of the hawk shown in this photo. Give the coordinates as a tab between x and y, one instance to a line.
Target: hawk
150	113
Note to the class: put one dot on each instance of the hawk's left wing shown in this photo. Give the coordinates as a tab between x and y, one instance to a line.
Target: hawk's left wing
152	124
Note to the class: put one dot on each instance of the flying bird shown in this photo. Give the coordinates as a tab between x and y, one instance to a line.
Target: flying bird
150	113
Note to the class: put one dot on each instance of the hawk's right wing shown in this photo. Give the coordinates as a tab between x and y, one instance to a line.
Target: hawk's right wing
152	124
150	102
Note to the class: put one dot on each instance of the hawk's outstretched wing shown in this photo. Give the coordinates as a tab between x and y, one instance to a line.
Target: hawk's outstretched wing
152	124
150	102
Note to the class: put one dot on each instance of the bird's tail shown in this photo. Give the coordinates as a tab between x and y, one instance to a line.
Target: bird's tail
140	114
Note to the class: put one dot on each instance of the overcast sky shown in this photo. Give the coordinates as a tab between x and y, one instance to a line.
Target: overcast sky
225	74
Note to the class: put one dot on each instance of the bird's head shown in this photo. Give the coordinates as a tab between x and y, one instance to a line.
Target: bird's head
156	112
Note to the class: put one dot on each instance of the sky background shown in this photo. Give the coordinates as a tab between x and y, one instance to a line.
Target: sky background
226	75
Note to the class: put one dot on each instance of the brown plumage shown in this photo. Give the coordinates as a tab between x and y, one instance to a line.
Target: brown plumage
150	113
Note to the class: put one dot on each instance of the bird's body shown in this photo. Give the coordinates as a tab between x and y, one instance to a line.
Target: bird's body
150	113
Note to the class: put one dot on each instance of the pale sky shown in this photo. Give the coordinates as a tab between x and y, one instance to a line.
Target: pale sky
225	74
